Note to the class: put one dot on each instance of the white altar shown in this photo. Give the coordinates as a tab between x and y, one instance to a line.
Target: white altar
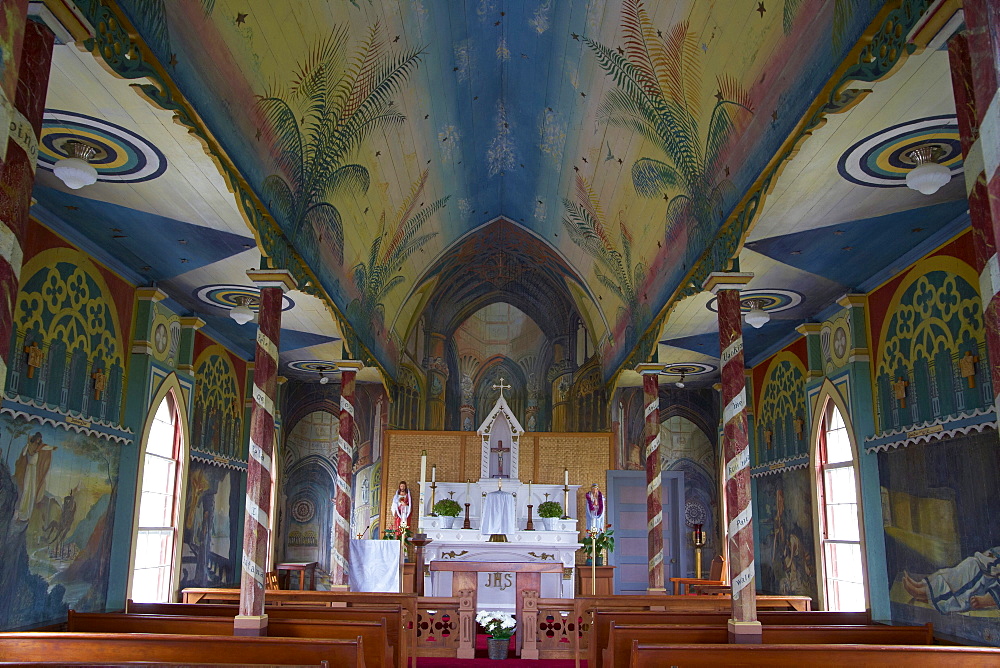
500	434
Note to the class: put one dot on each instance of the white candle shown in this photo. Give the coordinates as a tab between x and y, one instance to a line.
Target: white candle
566	476
529	492
434	470
468	494
423	479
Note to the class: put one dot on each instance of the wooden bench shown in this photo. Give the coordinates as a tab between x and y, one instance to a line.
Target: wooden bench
621	636
816	656
110	648
377	651
393	615
601	622
336	598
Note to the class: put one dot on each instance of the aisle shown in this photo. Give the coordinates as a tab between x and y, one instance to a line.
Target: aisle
485	662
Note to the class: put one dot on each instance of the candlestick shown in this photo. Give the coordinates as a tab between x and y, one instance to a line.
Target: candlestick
433	493
530	526
565	476
593	564
565	503
466	524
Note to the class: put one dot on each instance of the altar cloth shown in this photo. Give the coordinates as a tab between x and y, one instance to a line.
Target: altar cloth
374	565
498	514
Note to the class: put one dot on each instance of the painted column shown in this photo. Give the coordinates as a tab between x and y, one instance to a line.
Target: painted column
437	378
560	377
273	283
345	461
654	499
977	105
22	123
743	627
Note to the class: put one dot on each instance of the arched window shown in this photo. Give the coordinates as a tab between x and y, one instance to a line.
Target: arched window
156	536
839	516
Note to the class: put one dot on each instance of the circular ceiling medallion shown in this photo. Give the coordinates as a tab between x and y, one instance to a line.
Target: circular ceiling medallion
687	369
881	161
122	156
314	366
228	296
768	300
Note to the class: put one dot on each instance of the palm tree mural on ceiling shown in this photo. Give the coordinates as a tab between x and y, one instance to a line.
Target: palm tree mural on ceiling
376	278
658	96
335	100
584	220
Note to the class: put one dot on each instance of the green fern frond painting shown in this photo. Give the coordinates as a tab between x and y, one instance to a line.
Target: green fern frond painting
658	95
377	277
317	121
616	270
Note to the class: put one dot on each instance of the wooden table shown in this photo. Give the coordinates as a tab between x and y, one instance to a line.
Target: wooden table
302	567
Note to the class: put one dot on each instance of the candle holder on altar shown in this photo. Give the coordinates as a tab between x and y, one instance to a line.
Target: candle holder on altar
565	503
466	524
698	539
530	526
433	492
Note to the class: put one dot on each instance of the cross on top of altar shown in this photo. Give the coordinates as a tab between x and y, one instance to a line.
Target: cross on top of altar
500	433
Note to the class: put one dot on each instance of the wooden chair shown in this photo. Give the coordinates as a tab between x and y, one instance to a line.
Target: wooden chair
716	576
271	581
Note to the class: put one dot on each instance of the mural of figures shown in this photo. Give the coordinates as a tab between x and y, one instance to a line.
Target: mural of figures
212	520
941	545
787	557
57	495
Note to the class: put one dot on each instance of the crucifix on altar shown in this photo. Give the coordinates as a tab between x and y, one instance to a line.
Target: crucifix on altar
500	433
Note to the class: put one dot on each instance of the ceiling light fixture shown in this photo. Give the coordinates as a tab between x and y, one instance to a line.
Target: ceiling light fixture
680	383
323	378
756	317
242	313
75	170
928	176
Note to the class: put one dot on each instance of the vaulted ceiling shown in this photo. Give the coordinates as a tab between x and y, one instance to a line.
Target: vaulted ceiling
582	159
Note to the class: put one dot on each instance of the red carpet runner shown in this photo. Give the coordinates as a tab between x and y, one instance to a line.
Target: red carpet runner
482	660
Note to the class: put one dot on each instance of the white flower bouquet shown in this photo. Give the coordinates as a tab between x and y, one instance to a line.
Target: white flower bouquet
497	623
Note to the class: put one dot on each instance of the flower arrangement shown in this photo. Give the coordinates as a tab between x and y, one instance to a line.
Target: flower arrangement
497	623
603	540
447	508
550	509
403	533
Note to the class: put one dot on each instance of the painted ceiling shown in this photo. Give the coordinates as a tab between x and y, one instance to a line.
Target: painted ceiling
569	158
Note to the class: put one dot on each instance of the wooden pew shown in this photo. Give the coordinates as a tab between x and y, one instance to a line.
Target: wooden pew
816	656
337	598
377	651
110	648
602	619
621	636
393	615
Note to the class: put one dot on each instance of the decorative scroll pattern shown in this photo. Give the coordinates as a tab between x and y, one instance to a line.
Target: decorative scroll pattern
654	506
736	449
342	495
259	476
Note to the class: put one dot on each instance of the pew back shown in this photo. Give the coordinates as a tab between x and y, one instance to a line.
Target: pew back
377	652
110	648
816	656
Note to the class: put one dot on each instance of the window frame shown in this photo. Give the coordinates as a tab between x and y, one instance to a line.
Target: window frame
828	400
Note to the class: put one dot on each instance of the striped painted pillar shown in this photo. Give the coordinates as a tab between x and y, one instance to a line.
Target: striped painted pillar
654	504
743	627
974	75
273	283
345	460
17	171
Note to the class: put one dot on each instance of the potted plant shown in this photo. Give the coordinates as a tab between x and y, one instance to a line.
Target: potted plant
549	512
403	534
447	510
501	626
603	540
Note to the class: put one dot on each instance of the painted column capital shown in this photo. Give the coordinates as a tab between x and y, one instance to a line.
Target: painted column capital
726	280
273	278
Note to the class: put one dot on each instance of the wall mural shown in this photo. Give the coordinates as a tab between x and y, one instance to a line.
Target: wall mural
932	350
217	427
58	489
786	557
213	523
781	414
942	549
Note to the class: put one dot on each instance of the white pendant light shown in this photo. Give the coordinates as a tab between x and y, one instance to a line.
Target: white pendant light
323	378
756	317
241	313
76	171
928	176
680	382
